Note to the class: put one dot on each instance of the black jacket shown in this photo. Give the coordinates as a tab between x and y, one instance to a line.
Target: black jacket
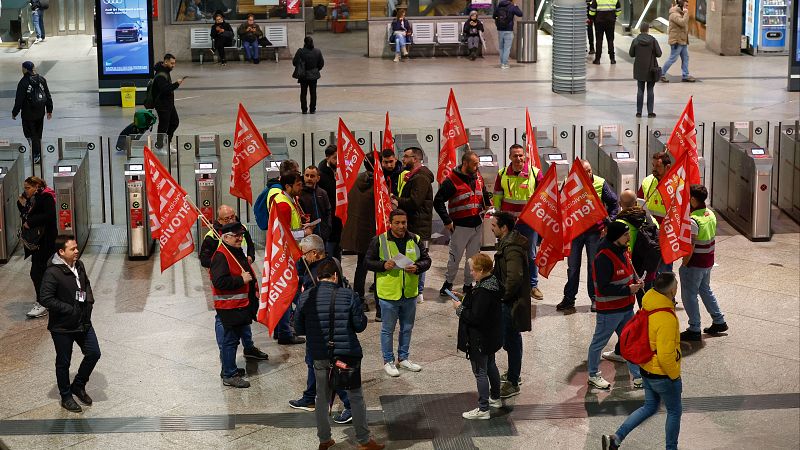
375	263
312	57
604	271
23	102
472	29
225	36
511	267
221	278
645	52
210	244
316	204
480	320
392	177
249	36
59	295
40	210
163	87
513	10
327	181
447	190
417	201
313	321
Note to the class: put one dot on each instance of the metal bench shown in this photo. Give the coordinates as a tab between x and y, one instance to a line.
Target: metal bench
423	34
449	33
277	36
200	39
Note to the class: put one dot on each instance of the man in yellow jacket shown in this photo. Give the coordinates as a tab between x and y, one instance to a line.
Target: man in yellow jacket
662	375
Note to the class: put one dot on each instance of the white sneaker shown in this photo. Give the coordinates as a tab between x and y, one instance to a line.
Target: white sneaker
505	66
37	41
37	311
405	51
477	414
408	365
495	402
638	383
611	356
397	57
599	382
420	299
391	370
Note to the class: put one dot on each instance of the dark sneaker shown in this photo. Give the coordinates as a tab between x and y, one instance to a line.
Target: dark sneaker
690	336
596	61
613	61
378	318
80	392
304	404
294	340
689	79
716	328
70	405
651	115
591	51
664	80
609	443
638	114
504	379
508	390
255	353
446	286
344	417
236	381
565	306
239	372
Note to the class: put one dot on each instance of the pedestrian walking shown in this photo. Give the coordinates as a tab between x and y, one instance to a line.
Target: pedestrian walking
678	41
164	99
33	100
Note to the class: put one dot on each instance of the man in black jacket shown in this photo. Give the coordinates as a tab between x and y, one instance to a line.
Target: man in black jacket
34	101
315	203
67	294
164	97
327	181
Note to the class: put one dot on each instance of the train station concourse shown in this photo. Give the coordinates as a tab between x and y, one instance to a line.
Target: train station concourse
157	383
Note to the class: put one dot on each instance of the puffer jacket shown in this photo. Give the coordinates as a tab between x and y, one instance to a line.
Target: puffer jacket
59	295
645	52
480	319
312	320
417	201
678	26
665	336
512	270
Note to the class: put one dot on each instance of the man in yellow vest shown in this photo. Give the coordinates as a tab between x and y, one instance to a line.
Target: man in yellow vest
225	215
590	239
604	15
648	191
512	189
397	258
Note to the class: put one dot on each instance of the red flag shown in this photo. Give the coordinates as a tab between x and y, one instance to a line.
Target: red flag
383	202
349	158
248	149
530	143
171	215
581	207
455	136
388	138
684	140
279	279
543	214
675	233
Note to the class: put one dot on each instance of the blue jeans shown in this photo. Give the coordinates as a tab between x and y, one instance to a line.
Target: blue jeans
247	335
694	281
230	342
606	325
532	237
37	17
590	240
310	394
505	38
655	390
251	50
404	310
675	51
399	42
512	344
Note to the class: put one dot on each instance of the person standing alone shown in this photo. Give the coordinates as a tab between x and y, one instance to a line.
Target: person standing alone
307	63
645	52
34	101
504	21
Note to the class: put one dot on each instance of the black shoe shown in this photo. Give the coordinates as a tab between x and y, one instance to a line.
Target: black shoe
565	306
651	115
70	405
80	392
690	336
613	61
716	328
596	61
255	353
638	114
591	51
239	372
305	112
256	61
294	340
366	306
445	287
313	111
609	443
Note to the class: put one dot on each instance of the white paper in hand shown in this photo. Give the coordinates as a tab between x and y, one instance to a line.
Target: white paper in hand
402	261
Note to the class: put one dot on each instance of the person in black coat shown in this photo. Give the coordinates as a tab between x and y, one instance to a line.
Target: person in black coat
308	62
316	203
327	182
67	293
645	52
222	35
34	101
37	208
480	333
164	98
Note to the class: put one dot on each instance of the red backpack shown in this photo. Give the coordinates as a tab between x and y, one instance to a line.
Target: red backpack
634	342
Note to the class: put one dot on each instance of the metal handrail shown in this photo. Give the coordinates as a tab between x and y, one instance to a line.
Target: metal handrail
26	24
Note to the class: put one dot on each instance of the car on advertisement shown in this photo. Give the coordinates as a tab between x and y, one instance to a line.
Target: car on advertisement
128	32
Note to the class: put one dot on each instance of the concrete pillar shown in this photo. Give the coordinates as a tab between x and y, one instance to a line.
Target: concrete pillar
724	27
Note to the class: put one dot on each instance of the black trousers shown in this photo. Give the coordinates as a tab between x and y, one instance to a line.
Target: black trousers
87	341
639	103
39	260
219	48
607	29
167	123
32	129
305	87
590	34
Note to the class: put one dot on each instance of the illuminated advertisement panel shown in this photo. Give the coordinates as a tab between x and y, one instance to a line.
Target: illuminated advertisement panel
124	44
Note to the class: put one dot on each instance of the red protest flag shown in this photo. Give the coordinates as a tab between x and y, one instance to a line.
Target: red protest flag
543	214
388	137
454	136
581	207
530	143
349	157
383	202
675	233
171	215
279	279
684	140
249	148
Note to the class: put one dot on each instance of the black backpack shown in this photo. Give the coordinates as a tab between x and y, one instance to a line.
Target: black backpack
646	250
150	96
36	93
503	17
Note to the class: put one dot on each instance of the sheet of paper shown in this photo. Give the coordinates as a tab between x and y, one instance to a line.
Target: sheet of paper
402	261
312	224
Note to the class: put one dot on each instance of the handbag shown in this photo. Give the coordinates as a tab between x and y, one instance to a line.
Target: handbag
30	237
264	42
299	69
342	375
655	70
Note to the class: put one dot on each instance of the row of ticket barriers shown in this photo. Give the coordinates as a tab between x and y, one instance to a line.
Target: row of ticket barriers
751	165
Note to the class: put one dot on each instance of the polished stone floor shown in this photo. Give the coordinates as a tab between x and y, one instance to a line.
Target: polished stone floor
157	386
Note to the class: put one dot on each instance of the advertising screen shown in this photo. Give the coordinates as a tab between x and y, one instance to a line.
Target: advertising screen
123	49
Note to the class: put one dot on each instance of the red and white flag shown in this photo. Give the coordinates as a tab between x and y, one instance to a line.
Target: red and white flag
581	207
383	202
675	232
530	143
248	149
454	136
171	215
349	157
684	140
388	137
543	214
279	279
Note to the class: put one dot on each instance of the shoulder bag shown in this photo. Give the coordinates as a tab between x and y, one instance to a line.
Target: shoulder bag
342	375
655	70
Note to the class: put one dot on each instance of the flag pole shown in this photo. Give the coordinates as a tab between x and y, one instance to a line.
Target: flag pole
214	231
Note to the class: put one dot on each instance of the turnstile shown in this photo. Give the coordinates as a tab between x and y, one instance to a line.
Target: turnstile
322	139
425	138
71	183
657	142
556	146
140	240
786	147
742	179
612	150
488	143
11	177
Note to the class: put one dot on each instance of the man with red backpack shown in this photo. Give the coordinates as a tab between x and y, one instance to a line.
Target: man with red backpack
661	374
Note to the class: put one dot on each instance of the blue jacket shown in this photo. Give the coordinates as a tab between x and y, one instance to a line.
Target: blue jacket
313	320
513	10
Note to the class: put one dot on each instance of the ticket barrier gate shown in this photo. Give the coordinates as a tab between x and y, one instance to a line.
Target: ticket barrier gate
556	146
12	175
207	185
657	142
611	150
425	138
71	183
742	179
140	240
320	140
786	146
10	149
487	143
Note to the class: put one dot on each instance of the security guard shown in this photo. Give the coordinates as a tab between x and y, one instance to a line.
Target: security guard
512	189
648	191
604	13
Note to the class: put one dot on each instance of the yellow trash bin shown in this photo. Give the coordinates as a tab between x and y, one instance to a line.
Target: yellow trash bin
128	96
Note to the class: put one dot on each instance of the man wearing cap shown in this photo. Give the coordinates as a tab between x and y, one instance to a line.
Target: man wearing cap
34	101
235	298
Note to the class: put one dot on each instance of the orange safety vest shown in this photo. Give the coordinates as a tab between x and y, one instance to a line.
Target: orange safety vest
466	202
623	276
232	299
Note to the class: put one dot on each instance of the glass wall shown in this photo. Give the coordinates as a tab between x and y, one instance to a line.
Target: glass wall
204	10
431	8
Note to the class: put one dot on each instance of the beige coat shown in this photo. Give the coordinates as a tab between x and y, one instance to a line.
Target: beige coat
678	26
